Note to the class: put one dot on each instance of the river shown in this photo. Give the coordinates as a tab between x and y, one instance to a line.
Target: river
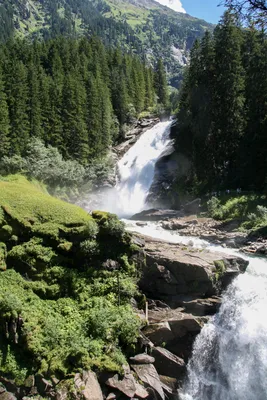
229	359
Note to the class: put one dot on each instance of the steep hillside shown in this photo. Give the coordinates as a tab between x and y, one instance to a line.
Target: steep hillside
144	27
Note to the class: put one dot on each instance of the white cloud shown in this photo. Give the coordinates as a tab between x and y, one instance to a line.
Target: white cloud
175	5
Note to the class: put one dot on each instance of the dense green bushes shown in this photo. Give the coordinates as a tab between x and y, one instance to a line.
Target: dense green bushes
249	210
65	286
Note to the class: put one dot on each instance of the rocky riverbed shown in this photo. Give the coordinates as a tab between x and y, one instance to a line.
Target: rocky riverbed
225	234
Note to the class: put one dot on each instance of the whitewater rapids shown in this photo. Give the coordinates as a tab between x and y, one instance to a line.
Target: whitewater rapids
136	172
229	359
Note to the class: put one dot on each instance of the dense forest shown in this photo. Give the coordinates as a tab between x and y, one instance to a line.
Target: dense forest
222	118
75	95
146	28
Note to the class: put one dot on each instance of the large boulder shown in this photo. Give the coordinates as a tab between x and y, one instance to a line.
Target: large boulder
168	364
87	385
156	214
147	373
128	386
176	270
175	330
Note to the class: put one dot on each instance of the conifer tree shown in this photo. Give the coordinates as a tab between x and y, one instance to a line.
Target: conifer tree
4	120
161	84
228	97
34	101
74	127
17	90
254	141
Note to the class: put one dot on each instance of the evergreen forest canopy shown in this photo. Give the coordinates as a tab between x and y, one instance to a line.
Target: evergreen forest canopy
222	118
73	94
145	28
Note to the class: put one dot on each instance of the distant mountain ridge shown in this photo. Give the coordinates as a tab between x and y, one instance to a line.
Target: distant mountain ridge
144	27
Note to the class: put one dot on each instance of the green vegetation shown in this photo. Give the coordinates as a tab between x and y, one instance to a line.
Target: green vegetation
222	117
74	95
249	210
149	30
66	282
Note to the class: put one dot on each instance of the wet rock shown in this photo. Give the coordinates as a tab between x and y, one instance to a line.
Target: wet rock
87	384
168	364
174	225
138	128
147	373
155	214
142	359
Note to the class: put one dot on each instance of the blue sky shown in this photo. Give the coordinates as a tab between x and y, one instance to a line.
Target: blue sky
206	9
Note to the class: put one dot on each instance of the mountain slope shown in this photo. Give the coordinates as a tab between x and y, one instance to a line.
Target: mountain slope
142	26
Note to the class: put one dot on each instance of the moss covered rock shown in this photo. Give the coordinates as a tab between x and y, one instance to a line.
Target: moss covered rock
60	306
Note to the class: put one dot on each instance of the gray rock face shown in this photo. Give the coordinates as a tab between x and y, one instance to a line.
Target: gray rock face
155	214
170	166
147	373
168	364
142	359
88	386
139	127
174	270
128	386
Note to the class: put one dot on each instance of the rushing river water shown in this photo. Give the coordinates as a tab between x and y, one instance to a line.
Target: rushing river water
136	172
229	360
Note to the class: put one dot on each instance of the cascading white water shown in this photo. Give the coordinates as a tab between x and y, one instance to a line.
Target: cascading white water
229	360
136	171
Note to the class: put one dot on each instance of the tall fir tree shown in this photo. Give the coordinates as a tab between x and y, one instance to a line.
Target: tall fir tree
4	120
229	98
161	84
18	92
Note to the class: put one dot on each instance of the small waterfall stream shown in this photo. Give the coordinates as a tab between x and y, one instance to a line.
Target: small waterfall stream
229	360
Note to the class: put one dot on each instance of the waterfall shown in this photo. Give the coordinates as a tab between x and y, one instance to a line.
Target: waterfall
229	360
136	172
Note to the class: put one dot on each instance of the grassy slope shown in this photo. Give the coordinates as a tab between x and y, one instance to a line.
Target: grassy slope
59	307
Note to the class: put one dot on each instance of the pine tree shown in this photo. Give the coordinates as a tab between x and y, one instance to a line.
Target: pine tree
161	84
4	121
17	90
34	101
74	127
228	98
254	141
